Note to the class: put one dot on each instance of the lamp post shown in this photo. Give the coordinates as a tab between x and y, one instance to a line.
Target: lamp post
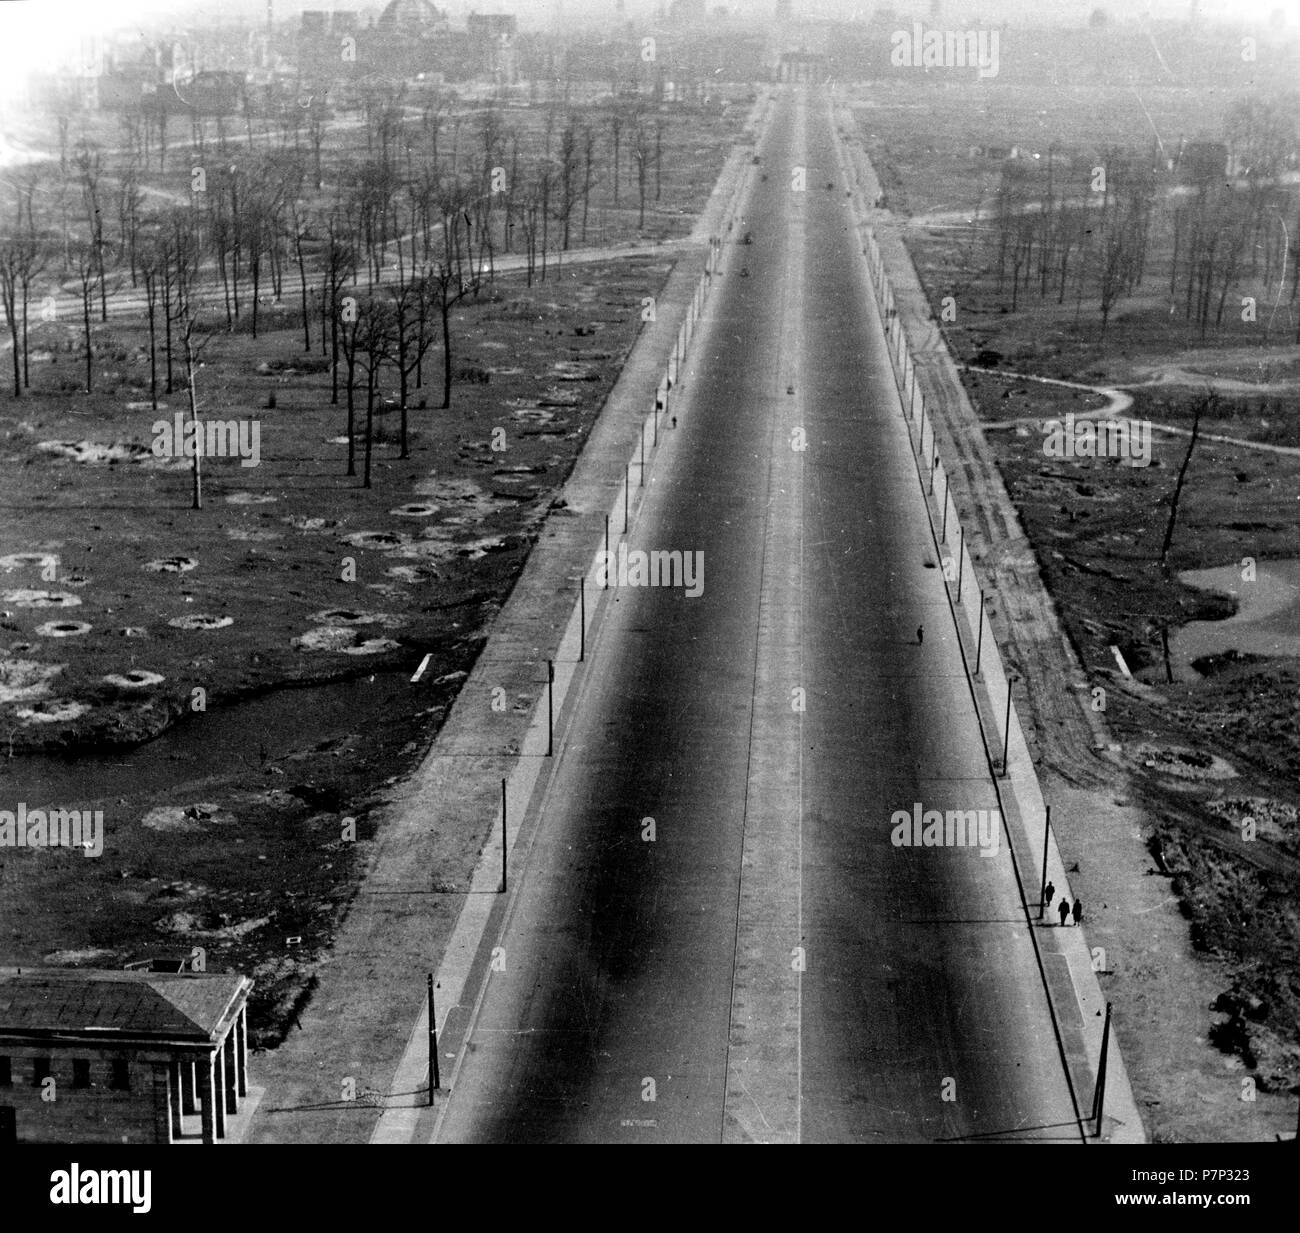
1006	729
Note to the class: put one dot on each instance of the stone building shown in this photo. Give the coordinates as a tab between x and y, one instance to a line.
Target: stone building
97	1056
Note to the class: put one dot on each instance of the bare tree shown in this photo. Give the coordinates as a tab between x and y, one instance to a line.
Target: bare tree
1261	136
408	325
10	259
152	256
588	173
448	291
1205	405
298	229
194	341
616	124
352	337
567	182
88	162
339	263
182	248
376	340
373	192
85	268
23	256
534	215
129	201
261	207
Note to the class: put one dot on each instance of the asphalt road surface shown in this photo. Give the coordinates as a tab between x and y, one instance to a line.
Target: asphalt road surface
770	966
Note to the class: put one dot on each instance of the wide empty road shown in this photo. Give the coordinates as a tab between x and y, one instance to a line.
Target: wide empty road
769	966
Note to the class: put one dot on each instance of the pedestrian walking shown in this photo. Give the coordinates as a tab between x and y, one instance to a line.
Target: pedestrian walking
1077	911
1064	910
1049	893
920	634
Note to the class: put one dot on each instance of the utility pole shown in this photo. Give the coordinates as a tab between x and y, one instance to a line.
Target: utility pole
1042	886
1006	729
1099	1099
434	1082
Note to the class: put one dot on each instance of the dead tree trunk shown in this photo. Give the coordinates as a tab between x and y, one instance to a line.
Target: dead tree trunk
1182	475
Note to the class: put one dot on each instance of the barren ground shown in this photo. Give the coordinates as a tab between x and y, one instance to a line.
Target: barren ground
227	833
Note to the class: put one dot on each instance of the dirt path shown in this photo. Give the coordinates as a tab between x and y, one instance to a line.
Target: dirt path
1119	401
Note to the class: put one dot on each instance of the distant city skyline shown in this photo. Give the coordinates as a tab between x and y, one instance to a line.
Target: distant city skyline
36	34
103	14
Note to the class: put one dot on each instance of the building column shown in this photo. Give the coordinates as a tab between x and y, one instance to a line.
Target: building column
228	1070
219	1089
189	1086
213	1123
175	1070
241	1052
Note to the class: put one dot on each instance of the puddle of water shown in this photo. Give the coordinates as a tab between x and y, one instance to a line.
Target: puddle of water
1267	621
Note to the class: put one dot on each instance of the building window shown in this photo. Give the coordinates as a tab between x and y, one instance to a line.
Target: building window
120	1076
80	1072
6	1073
40	1071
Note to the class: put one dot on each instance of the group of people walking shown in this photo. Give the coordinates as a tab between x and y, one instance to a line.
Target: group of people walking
1064	910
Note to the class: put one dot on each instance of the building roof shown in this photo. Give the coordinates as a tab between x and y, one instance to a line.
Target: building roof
107	1004
411	15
